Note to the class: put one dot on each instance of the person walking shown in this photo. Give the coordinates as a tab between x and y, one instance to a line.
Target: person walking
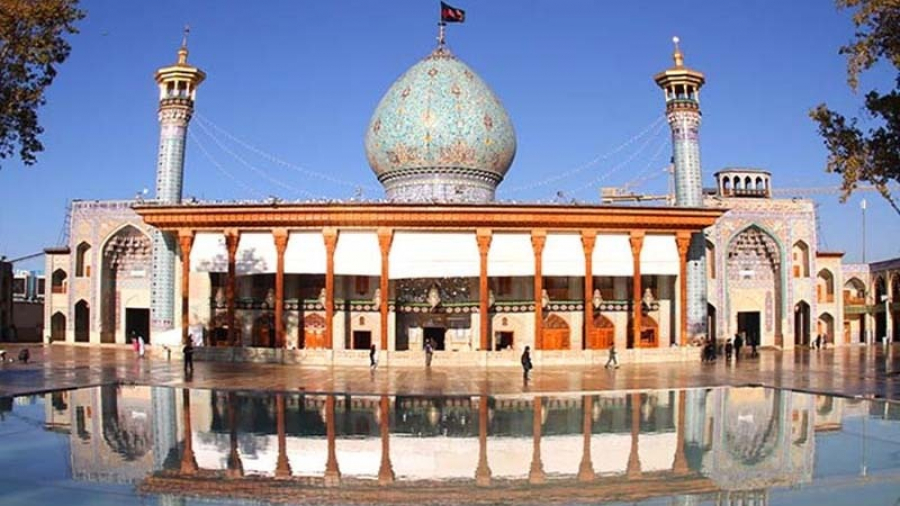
429	351
188	351
373	362
754	342
526	362
141	346
134	343
728	349
738	344
612	361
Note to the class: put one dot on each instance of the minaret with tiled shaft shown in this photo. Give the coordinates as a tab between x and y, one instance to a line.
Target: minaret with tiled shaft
681	87
177	90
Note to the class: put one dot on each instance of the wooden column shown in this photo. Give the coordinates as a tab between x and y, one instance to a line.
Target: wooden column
538	239
232	238
280	235
235	467
386	470
588	239
586	468
637	242
634	459
483	471
283	468
332	471
679	464
330	235
683	240
188	460
484	245
185	241
385	238
536	473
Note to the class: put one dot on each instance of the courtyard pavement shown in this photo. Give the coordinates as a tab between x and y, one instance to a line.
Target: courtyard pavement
851	371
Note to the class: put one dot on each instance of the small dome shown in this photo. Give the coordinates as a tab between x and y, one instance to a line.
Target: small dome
440	134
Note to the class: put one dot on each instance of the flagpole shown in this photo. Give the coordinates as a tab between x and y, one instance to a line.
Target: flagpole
441	26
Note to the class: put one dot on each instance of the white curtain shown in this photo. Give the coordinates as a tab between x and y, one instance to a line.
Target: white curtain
358	254
612	255
659	255
563	255
305	253
433	255
208	253
511	255
256	253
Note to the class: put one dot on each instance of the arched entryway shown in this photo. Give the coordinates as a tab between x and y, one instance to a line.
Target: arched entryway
58	282
602	334
82	322
711	321
801	324
825	327
754	287
649	333
126	256
263	331
555	334
58	327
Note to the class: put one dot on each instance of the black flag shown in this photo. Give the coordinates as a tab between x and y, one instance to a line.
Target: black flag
450	14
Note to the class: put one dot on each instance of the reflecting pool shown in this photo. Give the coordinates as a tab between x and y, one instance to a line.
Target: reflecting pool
156	445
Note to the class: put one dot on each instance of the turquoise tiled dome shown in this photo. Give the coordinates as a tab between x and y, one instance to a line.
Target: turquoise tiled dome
440	134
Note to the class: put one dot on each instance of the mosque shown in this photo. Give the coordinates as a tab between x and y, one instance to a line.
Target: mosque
441	261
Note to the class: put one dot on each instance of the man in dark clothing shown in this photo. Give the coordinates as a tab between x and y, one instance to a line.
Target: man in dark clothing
526	362
24	355
373	363
728	348
754	342
612	361
738	344
429	352
188	351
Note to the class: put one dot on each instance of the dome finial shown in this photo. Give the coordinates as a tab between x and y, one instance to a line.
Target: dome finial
678	56
183	51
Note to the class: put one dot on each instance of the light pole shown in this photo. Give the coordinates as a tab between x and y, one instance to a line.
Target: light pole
862	205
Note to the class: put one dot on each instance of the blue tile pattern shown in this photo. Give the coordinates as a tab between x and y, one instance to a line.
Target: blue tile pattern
440	134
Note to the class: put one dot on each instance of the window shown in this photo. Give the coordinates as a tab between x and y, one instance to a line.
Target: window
82	261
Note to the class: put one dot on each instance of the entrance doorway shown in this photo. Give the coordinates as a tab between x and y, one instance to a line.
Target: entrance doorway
137	321
503	340
362	339
436	335
801	324
748	326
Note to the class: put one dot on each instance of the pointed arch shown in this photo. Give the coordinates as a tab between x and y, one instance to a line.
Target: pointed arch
602	333
710	260
825	327
125	253
58	327
82	321
59	281
825	286
314	331
555	333
82	260
753	260
800	259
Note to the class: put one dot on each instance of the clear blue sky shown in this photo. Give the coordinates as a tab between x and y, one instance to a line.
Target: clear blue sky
300	79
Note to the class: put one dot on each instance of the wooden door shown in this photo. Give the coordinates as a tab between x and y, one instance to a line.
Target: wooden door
555	333
314	331
602	334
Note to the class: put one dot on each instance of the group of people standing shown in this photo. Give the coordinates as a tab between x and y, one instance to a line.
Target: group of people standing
731	348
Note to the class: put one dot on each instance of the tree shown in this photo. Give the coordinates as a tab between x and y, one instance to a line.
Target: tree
32	45
872	155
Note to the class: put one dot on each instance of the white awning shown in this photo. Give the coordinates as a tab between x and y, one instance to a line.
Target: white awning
256	253
612	256
358	254
305	253
209	254
511	255
659	255
563	255
433	255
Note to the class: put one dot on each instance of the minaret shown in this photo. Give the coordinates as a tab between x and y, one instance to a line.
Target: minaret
681	87
177	90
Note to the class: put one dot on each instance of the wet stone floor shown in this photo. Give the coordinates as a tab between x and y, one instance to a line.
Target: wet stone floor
98	426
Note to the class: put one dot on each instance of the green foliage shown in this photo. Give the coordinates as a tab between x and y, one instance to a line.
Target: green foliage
873	155
32	45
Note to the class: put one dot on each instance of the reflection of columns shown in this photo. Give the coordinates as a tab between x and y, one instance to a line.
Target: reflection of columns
634	460
232	238
679	464
586	469
536	473
588	239
185	240
683	240
283	468
386	470
637	242
482	472
281	239
331	237
235	466
332	472
538	238
385	237
188	461
484	245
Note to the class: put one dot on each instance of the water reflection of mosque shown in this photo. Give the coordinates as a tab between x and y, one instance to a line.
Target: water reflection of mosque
733	443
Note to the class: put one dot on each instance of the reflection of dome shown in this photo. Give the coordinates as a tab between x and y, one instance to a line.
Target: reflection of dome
440	134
